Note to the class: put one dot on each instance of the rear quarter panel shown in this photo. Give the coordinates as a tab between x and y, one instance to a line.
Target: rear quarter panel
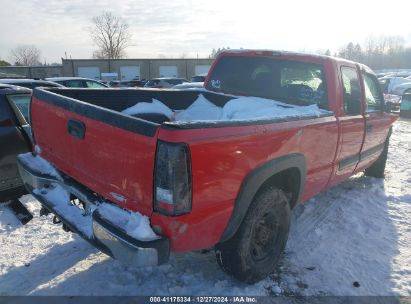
222	158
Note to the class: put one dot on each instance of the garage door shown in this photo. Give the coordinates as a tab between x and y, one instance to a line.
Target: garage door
168	71
89	72
129	72
201	69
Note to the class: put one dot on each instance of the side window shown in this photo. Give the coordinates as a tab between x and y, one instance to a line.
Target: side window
20	104
352	91
94	84
74	84
4	113
373	96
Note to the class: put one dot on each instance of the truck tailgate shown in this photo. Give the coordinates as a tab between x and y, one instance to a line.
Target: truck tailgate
108	152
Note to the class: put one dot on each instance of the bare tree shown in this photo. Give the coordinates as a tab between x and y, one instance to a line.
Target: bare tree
215	52
27	55
111	36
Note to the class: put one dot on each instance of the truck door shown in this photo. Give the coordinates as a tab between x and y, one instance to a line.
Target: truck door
351	125
377	121
12	143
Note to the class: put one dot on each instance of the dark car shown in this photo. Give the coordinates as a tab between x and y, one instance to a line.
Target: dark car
78	82
30	83
133	83
164	82
15	138
199	78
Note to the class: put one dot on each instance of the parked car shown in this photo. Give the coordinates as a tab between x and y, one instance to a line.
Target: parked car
403	88
392	102
199	78
114	84
134	83
30	83
189	85
15	137
78	82
405	108
164	82
220	169
388	84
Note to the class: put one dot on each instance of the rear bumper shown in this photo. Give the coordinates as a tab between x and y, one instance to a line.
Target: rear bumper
106	235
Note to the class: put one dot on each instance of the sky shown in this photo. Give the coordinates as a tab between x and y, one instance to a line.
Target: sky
173	28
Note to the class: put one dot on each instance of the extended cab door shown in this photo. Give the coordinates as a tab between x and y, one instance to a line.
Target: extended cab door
377	121
351	122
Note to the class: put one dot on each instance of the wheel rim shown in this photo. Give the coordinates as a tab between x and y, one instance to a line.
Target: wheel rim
264	236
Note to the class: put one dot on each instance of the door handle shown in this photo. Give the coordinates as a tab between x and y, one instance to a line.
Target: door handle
76	128
369	128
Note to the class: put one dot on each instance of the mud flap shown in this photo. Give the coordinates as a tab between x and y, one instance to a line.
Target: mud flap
21	212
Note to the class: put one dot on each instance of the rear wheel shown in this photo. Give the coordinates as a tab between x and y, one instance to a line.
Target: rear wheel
256	248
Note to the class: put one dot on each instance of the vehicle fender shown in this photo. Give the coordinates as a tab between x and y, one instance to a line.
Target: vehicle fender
254	180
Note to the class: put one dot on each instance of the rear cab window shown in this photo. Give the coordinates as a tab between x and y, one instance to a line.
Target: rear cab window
294	82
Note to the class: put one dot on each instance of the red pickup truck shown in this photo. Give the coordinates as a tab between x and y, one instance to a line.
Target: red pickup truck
284	126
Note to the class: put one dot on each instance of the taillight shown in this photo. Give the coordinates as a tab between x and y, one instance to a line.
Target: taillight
172	181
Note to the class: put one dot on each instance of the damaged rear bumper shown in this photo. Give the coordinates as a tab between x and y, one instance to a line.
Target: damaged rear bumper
90	223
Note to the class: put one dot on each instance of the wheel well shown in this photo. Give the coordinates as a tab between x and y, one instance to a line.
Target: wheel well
288	180
286	173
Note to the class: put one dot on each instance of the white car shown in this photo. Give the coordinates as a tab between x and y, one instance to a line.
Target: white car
189	85
388	83
164	82
403	88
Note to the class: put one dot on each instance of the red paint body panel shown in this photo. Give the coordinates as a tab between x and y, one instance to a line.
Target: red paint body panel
222	158
111	160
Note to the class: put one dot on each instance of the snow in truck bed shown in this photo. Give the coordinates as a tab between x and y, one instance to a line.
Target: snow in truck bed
357	232
238	108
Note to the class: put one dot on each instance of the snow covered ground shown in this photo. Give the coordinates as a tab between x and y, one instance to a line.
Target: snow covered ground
357	233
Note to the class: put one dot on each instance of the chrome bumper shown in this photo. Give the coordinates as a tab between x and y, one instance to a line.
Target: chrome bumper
89	224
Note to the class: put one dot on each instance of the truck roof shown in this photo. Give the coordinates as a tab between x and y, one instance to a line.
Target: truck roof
281	53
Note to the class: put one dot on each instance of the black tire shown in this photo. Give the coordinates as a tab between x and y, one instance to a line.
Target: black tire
377	169
254	251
